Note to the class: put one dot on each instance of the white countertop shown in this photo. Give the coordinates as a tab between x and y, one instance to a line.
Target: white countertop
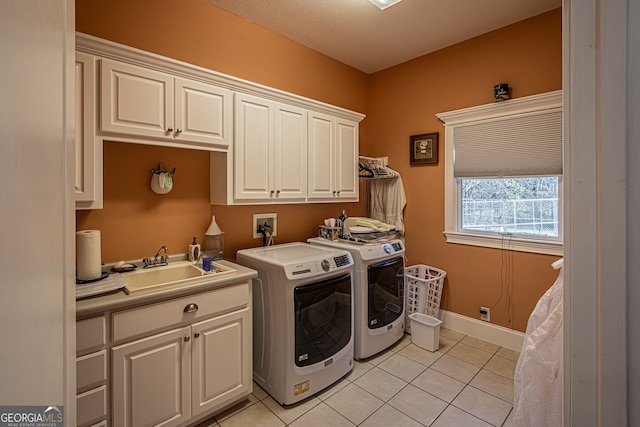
87	307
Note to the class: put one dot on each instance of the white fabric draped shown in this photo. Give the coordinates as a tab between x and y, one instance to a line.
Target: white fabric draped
538	384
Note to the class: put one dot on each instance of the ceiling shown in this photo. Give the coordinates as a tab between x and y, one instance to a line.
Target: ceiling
359	34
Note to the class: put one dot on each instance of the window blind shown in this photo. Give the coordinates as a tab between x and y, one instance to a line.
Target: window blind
518	145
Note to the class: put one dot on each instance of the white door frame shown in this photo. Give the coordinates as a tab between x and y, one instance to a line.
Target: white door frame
601	217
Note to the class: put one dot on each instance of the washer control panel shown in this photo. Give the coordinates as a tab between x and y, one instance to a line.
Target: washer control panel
319	266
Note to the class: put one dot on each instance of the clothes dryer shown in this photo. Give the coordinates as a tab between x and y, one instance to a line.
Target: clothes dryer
302	318
378	281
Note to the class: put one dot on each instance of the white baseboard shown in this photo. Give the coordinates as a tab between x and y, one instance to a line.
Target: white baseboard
489	332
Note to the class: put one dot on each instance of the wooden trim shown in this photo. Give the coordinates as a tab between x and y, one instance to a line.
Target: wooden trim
489	332
597	146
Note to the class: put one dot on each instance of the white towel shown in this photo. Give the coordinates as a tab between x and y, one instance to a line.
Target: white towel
387	201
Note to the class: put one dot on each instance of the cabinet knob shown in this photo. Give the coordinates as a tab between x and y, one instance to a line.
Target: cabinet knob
338	192
334	193
187	338
169	129
196	335
272	192
278	192
191	308
178	130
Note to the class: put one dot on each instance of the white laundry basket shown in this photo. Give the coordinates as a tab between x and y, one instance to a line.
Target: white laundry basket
423	291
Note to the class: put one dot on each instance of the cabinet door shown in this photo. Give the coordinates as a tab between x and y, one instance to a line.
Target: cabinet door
88	157
346	160
136	101
151	380
290	155
253	148
202	113
321	156
221	361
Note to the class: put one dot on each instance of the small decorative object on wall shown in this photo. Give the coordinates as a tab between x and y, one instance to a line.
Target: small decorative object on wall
424	149
501	92
162	180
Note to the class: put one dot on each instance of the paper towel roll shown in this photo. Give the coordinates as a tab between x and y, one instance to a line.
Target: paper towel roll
88	255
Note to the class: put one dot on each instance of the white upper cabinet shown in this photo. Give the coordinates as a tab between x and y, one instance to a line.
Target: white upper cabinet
253	150
202	113
88	167
346	170
155	105
290	155
267	146
270	150
333	158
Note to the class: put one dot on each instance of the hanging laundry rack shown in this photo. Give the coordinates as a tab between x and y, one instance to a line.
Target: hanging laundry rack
375	167
384	197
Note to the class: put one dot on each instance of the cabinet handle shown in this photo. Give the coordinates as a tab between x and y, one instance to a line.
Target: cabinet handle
187	338
178	130
191	308
196	335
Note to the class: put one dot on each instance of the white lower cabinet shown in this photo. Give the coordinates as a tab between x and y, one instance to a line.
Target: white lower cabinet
151	379
91	372
219	360
172	377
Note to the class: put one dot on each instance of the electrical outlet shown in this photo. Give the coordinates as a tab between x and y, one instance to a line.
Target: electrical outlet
268	220
485	314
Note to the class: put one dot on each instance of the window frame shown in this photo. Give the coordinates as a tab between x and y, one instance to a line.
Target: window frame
452	191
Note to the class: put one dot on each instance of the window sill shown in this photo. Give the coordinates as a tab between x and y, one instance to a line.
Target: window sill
506	242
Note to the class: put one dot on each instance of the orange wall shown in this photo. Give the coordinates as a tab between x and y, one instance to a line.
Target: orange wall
399	102
135	222
404	101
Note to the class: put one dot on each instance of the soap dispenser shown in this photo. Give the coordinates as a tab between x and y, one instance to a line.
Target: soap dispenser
194	251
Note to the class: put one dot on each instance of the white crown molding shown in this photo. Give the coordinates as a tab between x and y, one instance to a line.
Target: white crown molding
111	50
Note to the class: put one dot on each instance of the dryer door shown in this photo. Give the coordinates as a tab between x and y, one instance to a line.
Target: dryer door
322	319
385	286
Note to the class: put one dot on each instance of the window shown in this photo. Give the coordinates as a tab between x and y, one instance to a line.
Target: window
503	174
523	205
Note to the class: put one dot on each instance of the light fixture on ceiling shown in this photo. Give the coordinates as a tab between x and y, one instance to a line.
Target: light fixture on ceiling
383	4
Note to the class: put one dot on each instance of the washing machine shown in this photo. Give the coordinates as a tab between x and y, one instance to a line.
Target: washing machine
378	280
303	335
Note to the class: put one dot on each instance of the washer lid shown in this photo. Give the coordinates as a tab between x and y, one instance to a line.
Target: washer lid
292	252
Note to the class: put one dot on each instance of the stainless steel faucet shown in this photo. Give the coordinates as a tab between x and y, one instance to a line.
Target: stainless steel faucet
157	260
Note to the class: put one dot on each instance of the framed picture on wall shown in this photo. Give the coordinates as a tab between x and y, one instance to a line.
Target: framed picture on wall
424	148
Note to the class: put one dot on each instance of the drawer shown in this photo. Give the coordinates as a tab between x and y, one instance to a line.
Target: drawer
91	370
153	317
91	334
91	406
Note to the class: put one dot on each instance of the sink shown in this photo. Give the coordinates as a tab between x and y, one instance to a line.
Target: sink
180	272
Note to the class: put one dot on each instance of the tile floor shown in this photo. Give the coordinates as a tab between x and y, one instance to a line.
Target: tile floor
467	382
